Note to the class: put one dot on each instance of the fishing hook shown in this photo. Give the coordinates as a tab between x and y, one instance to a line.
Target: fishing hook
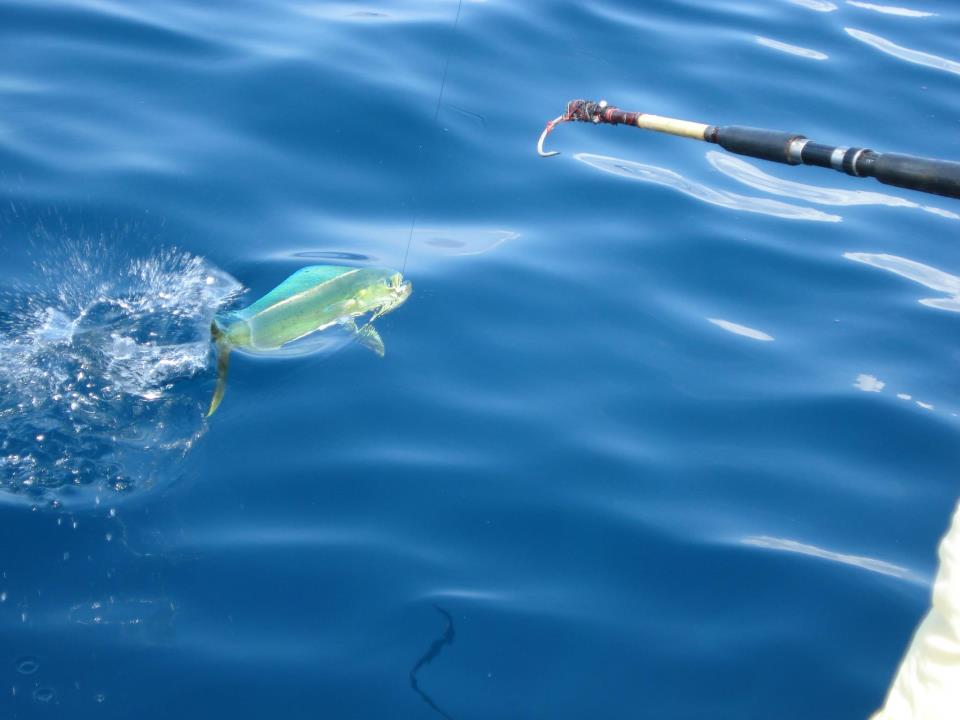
581	110
546	131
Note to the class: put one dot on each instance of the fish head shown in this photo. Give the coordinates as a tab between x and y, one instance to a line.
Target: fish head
400	289
388	294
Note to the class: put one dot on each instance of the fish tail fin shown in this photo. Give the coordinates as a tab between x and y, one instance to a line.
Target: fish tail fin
223	365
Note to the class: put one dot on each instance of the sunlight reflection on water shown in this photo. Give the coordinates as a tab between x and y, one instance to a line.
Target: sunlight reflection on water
662	176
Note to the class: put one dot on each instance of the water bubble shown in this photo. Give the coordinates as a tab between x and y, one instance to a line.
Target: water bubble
27	665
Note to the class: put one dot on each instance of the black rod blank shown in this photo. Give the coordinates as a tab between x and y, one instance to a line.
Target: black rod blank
939	177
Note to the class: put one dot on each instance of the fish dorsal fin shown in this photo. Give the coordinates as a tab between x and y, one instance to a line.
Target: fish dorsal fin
309	279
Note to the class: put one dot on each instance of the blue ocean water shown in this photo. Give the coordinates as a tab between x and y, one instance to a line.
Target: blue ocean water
661	432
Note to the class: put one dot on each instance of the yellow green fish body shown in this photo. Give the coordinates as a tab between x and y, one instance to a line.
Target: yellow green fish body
312	299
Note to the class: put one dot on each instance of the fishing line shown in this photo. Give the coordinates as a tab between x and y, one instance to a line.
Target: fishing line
436	115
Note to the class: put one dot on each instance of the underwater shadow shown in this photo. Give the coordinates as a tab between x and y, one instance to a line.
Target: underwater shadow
435	648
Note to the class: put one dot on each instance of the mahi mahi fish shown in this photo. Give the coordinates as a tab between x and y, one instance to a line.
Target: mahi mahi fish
312	299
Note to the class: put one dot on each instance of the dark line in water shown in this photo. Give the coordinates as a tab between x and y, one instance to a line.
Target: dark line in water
435	647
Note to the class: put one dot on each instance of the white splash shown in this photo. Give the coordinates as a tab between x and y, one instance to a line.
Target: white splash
661	176
742	330
791	49
90	358
913	56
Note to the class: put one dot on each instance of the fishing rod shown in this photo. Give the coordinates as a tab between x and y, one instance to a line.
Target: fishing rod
939	177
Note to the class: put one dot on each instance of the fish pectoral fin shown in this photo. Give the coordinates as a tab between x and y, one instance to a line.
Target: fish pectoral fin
366	335
370	338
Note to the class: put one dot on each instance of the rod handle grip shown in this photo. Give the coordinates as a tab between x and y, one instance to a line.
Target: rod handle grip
940	177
